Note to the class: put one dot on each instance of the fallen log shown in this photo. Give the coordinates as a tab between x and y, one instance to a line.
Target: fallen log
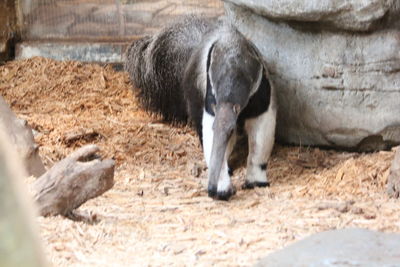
393	185
73	181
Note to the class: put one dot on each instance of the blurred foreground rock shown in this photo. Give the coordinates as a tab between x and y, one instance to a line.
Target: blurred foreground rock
20	135
19	242
336	67
348	247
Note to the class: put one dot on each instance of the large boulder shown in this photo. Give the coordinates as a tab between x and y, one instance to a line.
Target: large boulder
335	66
347	247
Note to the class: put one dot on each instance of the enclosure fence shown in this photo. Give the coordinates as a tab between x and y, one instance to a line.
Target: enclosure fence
110	20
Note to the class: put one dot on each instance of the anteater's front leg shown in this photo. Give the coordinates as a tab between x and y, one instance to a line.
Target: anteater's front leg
220	185
261	135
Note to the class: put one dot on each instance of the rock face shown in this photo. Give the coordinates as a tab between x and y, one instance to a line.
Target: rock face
335	65
348	247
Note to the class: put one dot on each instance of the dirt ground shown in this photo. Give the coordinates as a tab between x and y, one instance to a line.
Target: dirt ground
158	212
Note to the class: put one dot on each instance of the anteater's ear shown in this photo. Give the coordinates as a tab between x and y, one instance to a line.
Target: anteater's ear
236	109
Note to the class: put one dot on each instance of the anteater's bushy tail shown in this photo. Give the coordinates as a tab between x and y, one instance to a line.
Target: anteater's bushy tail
135	59
156	66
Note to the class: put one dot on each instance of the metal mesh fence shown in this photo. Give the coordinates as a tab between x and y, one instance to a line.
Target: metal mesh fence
105	19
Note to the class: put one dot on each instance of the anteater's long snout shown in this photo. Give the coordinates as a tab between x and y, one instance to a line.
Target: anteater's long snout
226	115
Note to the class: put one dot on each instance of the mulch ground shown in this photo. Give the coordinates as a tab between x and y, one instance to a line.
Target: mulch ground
158	212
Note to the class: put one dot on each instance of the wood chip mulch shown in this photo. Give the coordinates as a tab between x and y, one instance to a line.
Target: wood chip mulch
158	213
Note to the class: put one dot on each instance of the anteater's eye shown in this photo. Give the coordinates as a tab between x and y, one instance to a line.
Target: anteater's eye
213	108
236	109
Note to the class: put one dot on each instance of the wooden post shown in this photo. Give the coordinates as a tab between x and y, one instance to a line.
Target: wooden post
8	28
20	135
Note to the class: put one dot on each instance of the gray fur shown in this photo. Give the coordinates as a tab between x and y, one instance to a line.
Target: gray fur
156	66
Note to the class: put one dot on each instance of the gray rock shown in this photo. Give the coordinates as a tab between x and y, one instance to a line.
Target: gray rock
348	247
336	86
86	52
352	15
